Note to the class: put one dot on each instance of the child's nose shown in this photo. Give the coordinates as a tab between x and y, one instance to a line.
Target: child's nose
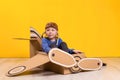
50	31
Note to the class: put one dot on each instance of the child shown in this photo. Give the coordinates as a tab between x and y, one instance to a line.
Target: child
52	41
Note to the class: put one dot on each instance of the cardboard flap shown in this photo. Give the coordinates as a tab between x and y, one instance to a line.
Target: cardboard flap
61	58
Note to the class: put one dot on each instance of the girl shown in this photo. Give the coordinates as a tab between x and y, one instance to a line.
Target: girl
52	41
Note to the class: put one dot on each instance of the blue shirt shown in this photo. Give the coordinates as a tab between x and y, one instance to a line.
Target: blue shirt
46	44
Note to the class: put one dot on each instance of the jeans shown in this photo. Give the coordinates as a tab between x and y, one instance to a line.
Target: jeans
63	46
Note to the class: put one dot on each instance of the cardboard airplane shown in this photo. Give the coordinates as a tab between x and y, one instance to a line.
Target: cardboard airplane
56	60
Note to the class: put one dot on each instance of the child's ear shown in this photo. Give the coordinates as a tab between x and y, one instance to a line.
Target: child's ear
57	35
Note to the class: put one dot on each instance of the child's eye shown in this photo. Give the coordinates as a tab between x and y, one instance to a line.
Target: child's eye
53	30
48	30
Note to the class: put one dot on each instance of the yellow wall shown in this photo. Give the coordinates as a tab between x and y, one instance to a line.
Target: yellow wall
93	26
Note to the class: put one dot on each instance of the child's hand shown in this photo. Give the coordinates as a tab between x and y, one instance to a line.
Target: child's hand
76	51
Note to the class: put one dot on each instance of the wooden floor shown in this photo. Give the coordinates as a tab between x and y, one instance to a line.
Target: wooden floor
111	72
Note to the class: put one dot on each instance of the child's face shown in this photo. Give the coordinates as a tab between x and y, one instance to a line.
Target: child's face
51	33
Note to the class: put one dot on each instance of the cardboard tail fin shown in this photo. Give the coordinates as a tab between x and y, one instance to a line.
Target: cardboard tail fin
37	60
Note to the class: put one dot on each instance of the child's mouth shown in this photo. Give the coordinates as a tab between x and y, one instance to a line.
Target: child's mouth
50	35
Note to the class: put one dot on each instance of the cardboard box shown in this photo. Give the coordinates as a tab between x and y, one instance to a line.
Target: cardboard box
35	47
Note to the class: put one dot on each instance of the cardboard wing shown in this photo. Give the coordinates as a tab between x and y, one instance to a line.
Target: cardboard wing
41	58
57	57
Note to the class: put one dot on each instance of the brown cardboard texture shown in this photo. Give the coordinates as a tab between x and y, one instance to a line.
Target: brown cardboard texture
56	60
35	46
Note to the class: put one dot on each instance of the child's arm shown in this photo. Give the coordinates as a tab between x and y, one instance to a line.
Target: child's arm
71	51
45	46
